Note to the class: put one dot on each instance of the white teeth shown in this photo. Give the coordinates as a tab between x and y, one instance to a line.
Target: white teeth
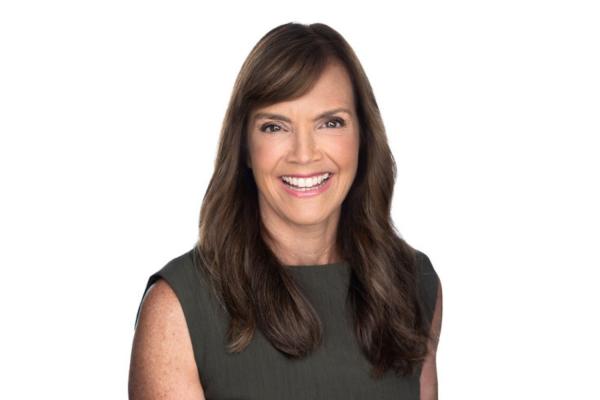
306	182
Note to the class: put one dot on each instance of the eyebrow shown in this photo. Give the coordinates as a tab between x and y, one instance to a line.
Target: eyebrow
266	115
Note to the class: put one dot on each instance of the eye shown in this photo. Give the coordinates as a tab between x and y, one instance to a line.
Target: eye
265	127
340	121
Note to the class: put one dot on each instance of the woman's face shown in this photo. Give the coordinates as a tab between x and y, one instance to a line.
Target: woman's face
303	141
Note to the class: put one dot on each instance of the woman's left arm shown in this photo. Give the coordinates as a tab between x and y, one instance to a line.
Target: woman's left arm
428	380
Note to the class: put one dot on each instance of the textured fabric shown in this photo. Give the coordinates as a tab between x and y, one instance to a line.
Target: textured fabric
337	370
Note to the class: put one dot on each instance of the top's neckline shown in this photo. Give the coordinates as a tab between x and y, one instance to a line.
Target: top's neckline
335	265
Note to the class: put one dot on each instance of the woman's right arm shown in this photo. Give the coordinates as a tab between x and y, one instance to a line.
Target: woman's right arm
162	359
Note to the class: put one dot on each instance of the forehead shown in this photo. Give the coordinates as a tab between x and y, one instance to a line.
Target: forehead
332	90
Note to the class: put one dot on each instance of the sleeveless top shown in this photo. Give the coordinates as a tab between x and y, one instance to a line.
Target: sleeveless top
337	370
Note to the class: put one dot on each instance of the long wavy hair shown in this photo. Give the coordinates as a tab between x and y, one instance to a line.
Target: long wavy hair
246	276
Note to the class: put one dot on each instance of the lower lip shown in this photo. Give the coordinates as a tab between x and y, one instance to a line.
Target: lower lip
309	192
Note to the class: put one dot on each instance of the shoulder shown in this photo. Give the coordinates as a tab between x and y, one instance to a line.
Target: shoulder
181	267
160	298
162	358
184	277
425	270
428	281
424	264
178	274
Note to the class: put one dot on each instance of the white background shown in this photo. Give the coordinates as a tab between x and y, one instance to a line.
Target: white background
109	117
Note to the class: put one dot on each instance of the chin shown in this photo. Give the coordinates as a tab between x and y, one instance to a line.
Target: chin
308	219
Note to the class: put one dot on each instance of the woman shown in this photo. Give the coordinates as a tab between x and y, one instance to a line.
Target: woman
299	286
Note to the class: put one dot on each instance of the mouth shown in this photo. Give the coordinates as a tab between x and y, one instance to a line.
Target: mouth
303	187
306	181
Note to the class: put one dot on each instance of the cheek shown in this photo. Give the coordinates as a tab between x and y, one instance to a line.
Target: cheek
345	150
264	156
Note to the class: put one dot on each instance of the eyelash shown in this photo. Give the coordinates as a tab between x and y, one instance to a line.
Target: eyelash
265	126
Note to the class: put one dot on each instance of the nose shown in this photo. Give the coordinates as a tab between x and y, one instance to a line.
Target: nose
304	147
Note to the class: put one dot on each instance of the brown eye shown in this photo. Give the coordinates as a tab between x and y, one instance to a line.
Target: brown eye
334	121
265	128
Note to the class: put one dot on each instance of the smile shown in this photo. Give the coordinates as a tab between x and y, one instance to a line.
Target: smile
301	187
308	182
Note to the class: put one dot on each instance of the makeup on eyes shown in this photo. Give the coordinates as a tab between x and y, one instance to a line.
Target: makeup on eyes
339	120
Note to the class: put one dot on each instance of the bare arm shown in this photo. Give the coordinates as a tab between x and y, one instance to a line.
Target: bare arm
162	359
428	381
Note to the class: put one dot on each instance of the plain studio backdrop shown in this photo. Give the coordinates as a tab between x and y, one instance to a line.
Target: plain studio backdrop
110	114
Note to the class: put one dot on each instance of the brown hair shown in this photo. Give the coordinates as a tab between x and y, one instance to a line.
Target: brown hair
244	272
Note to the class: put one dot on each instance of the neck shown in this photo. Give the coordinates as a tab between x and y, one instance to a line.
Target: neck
303	244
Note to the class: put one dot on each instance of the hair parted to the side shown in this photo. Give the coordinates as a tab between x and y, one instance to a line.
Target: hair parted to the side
245	274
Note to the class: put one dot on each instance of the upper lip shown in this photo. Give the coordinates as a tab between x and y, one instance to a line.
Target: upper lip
307	175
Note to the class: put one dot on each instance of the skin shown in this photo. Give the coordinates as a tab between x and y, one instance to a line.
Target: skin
305	228
428	380
162	365
162	360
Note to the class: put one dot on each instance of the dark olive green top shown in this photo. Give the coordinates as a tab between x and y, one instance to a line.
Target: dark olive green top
337	370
